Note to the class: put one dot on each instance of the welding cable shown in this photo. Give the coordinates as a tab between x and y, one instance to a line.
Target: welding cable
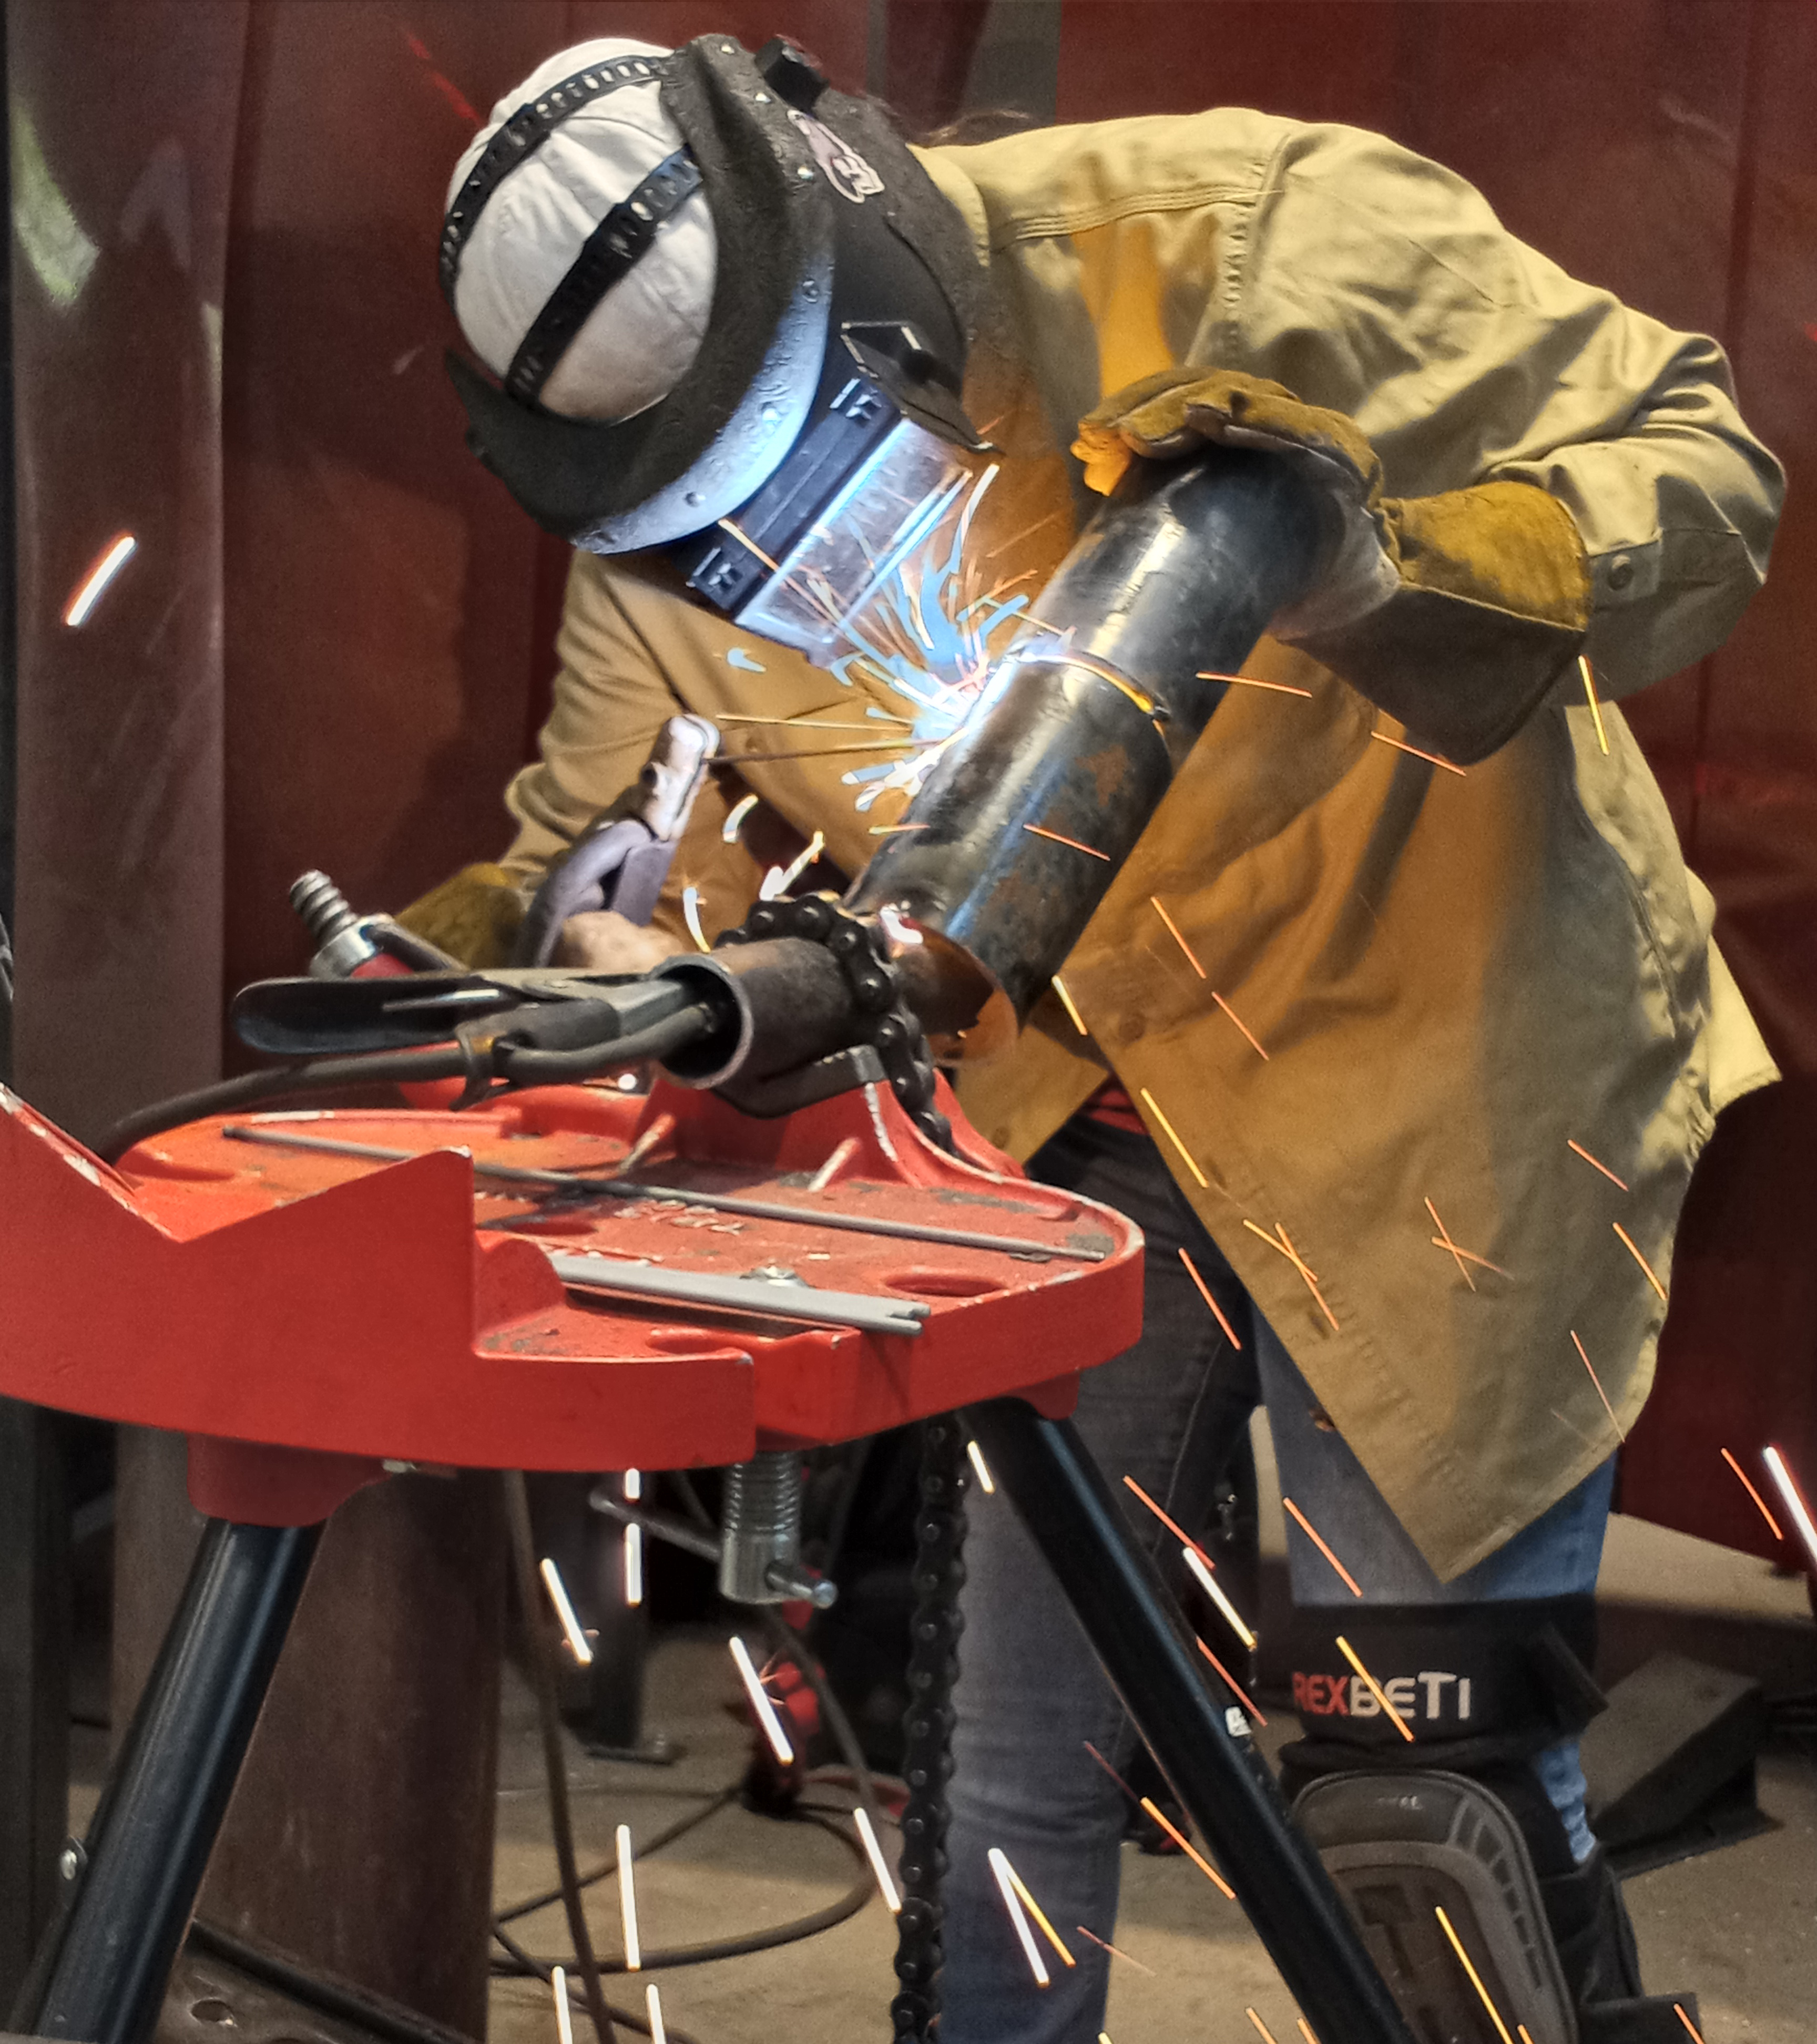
519	1065
847	1905
521	1962
541	1659
714	1802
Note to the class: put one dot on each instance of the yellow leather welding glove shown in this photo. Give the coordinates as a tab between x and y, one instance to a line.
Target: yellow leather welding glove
473	916
1455	613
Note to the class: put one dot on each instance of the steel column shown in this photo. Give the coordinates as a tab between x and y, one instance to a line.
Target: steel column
1147	1651
102	1975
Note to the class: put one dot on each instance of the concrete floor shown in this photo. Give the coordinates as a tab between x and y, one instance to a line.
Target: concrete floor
1739	1927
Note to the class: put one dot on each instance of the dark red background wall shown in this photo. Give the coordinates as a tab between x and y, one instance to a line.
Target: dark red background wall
333	645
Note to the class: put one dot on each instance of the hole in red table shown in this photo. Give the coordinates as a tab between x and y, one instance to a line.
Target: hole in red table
944	1284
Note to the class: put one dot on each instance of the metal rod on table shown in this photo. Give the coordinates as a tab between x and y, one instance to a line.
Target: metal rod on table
785	1299
102	1977
574	1181
1204	1748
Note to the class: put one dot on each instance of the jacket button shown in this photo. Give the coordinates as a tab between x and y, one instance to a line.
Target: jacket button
1621	572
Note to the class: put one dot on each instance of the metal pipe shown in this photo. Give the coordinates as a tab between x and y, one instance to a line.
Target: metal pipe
1202	1744
102	1975
1088	717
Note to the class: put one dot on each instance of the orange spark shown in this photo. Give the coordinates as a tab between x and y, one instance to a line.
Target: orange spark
1285	1247
1105	1945
1306	2032
1444	1240
893	830
1256	681
1750	1490
1470	1256
1267	2034
1633	1251
1035	830
1066	1003
106	566
1173	931
1231	1012
1173	1526
1174	1136
1305	1526
1678	2008
1570	1144
1205	1293
1793	1498
1595	707
745	539
1578	1430
1112	1772
1432	757
1476	1978
1000	1859
1375	1688
1186	1846
1600	1393
1242	1694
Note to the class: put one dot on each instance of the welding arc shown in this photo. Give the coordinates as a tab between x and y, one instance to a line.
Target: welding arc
401	1068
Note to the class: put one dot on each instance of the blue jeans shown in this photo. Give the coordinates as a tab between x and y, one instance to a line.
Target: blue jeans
1031	1694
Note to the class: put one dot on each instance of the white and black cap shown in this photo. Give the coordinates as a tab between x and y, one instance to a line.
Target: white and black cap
592	326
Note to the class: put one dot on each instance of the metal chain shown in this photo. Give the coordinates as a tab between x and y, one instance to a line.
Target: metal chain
928	1763
862	950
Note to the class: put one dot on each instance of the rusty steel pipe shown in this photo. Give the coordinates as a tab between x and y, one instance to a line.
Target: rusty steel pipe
1082	726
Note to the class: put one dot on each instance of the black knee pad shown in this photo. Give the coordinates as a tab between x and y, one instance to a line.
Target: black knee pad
1449	1814
1465	1686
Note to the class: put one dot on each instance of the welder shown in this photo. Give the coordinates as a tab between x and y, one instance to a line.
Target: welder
1401	1026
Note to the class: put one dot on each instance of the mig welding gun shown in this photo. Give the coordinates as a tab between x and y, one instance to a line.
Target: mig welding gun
944	942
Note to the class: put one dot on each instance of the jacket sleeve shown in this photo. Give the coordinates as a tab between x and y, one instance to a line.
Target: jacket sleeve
611	699
1377	282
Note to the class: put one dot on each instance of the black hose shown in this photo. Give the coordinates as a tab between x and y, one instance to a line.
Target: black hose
606	1869
394	1068
516	1065
847	1905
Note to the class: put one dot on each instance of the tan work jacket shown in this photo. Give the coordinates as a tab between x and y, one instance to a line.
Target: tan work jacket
1454	977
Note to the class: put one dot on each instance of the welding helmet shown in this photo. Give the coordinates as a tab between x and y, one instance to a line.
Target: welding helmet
729	314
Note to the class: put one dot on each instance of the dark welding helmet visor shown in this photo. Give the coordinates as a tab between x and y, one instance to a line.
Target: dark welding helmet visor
800	449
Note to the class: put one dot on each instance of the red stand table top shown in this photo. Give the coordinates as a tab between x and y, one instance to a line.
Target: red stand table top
305	1317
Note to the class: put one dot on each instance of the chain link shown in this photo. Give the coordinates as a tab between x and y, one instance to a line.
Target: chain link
927	1761
893	1030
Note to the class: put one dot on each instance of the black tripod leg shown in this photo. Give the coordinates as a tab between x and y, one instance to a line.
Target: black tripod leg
1146	1650
102	1974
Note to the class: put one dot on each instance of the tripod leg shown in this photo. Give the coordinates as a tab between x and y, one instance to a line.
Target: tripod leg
102	1974
1146	1650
